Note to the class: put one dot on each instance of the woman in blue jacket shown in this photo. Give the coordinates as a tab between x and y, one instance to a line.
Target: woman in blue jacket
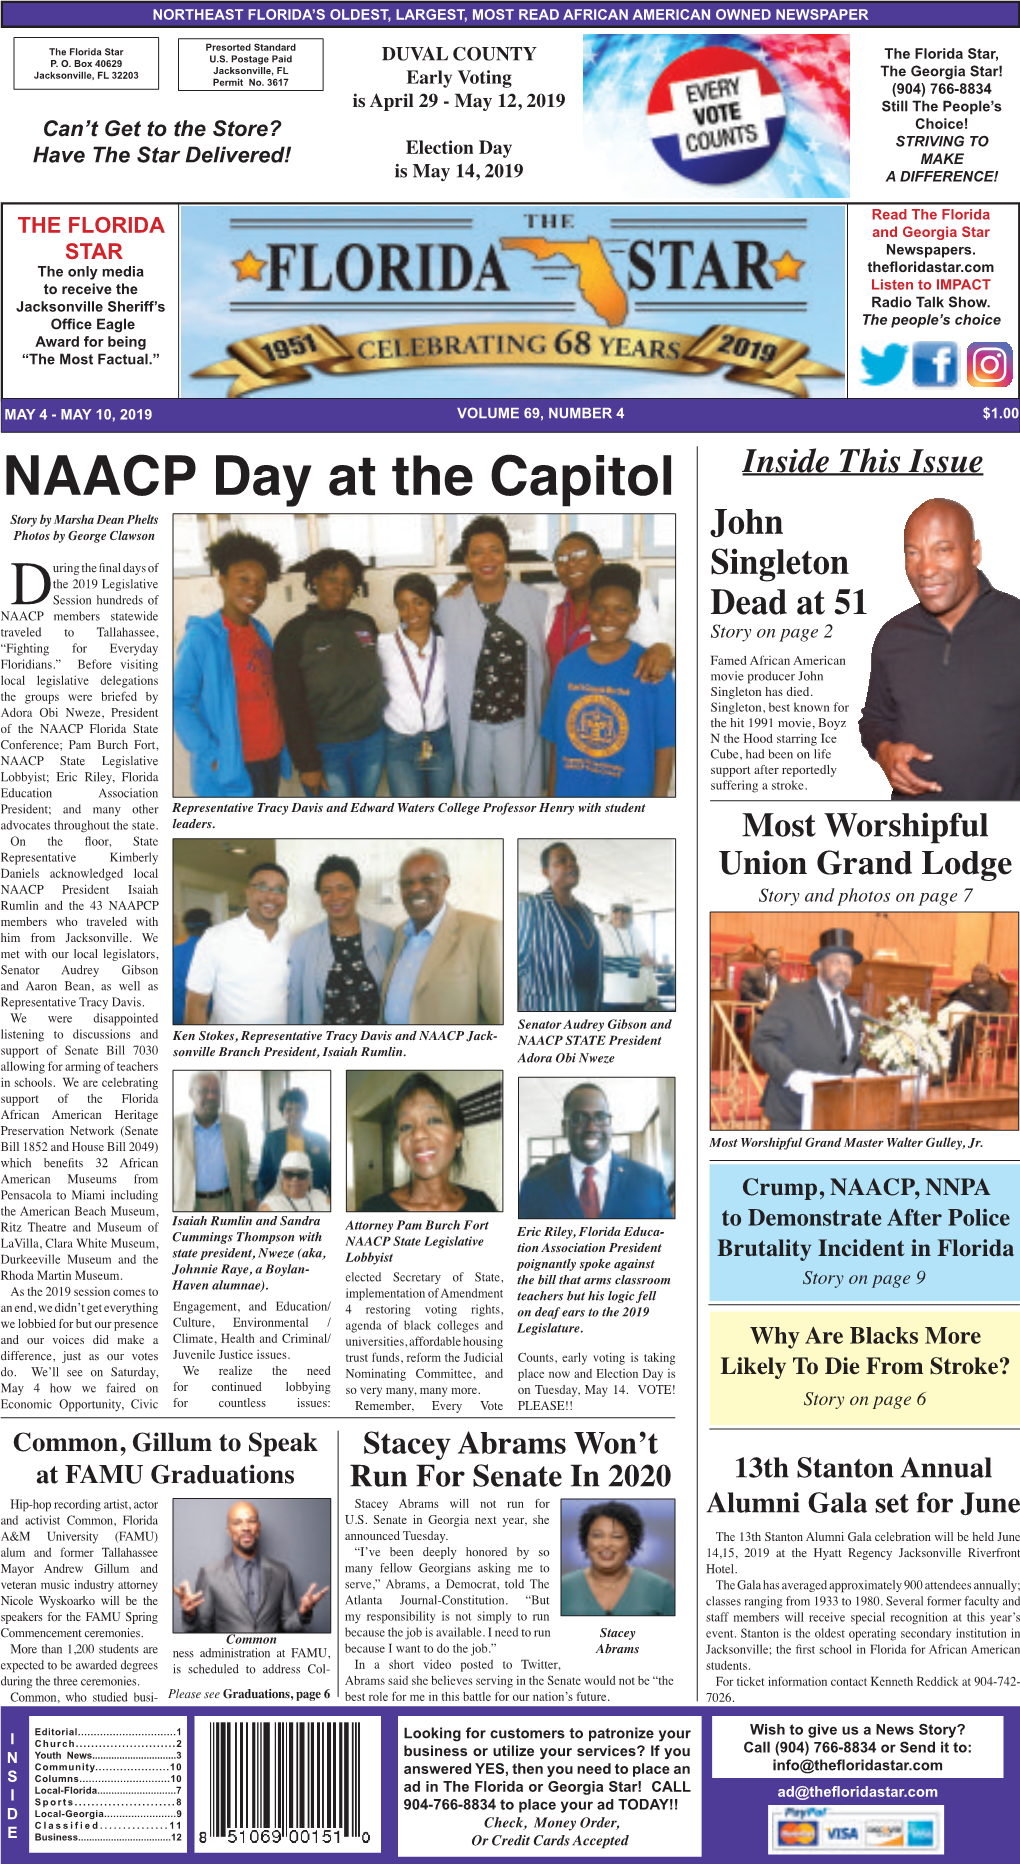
337	967
225	706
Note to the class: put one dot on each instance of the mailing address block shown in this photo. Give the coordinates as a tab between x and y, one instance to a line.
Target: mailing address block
49	62
249	64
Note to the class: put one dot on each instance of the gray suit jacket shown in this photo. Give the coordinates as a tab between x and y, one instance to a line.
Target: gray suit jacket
461	979
235	1149
225	1608
796	1031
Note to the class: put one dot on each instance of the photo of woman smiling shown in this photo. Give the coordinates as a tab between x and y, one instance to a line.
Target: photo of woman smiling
429	1127
611	1586
494	629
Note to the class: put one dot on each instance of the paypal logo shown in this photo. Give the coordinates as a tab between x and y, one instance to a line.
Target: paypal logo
885	368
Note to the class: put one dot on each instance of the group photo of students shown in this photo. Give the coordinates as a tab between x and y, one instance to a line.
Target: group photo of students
424	657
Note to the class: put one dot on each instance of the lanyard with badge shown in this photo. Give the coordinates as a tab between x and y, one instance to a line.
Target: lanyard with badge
426	752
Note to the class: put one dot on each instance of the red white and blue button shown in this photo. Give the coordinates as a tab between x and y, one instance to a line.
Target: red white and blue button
716	115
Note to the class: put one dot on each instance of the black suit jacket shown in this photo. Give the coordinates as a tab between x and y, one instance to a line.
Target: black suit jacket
225	1608
796	1031
754	986
634	1191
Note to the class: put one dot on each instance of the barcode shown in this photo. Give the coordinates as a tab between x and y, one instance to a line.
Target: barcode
288	1775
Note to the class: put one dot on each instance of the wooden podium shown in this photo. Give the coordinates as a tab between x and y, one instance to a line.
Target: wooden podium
849	1105
743	1016
878	981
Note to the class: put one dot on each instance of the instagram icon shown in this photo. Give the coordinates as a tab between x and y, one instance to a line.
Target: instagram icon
989	365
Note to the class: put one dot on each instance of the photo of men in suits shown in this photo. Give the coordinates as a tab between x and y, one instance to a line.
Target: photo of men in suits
809	1031
246	1590
590	1182
447	965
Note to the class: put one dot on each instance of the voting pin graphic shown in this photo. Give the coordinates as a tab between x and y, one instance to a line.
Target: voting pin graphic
716	115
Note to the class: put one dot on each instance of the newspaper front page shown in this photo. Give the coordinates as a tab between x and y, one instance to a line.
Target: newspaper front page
510	753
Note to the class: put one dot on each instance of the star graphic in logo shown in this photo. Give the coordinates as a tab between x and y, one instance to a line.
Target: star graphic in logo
249	266
787	267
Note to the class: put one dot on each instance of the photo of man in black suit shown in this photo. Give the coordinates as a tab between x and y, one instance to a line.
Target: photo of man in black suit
809	1031
759	983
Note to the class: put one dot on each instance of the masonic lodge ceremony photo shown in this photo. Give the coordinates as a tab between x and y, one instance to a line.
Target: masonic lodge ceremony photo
879	1022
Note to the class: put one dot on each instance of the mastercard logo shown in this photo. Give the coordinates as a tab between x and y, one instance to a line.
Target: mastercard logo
797	1832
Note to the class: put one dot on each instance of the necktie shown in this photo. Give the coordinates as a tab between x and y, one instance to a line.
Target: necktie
837	1024
589	1193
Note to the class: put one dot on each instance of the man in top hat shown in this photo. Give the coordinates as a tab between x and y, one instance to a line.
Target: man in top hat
809	1031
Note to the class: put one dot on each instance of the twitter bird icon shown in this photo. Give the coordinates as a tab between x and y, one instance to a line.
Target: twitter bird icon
881	369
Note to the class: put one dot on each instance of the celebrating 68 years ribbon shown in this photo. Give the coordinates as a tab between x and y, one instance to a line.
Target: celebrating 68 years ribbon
750	357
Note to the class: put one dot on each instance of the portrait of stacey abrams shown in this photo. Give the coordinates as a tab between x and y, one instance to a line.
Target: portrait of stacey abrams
622	1546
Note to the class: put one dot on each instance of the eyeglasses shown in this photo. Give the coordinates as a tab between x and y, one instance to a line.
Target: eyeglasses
294	1174
258	886
601	1120
572	556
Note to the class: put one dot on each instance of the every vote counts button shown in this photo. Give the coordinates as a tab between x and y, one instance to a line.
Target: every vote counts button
716	115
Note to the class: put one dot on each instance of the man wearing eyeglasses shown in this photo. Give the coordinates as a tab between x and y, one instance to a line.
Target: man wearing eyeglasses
447	966
239	971
591	1183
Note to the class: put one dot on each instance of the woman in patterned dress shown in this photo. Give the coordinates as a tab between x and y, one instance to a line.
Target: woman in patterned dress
496	669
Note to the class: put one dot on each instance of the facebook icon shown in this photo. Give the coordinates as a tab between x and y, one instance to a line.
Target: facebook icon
935	365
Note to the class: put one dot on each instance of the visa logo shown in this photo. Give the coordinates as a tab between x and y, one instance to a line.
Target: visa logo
845	1834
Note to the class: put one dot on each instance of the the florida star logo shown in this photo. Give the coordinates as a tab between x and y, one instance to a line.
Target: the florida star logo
479	281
